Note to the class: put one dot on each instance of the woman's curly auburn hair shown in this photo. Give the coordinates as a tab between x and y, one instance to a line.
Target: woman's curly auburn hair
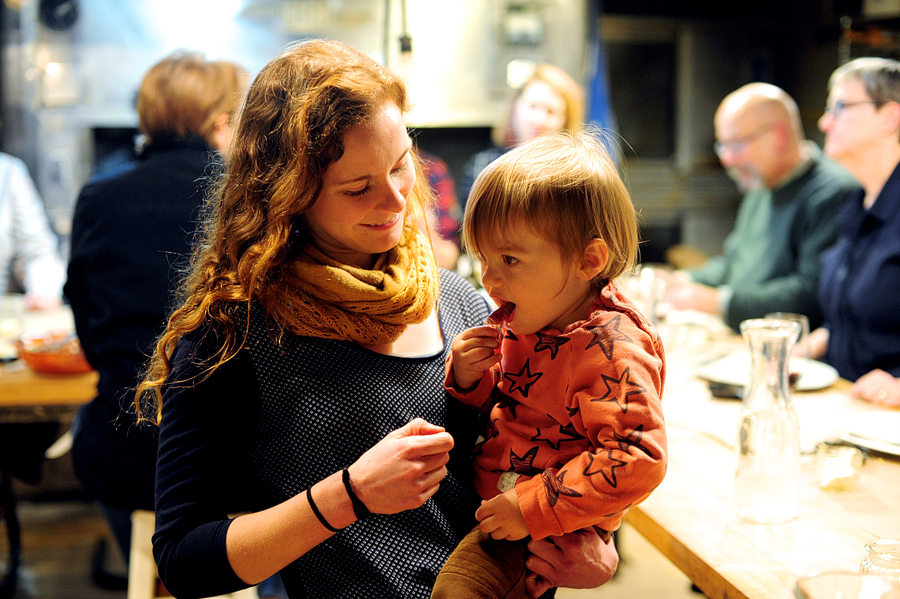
289	130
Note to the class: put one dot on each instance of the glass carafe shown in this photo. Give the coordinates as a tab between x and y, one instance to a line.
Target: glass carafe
766	486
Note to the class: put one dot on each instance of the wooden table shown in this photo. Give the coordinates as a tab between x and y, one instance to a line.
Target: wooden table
690	517
30	399
28	396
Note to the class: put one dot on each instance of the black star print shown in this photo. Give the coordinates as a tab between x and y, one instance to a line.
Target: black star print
502	400
550	342
507	333
572	411
569	429
611	477
491	431
555	486
553	436
632	439
523	464
605	335
621	392
523	380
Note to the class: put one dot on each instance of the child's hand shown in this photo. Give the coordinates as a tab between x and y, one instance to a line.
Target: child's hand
474	351
501	517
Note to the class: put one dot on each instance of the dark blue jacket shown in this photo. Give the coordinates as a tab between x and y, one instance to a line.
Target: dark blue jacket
860	286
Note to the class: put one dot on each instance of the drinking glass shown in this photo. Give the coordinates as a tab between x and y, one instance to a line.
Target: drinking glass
882	559
646	286
838	466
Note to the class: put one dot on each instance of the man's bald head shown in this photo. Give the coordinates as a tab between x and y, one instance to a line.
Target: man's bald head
759	135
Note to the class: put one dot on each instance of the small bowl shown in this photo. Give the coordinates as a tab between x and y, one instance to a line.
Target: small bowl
53	352
846	585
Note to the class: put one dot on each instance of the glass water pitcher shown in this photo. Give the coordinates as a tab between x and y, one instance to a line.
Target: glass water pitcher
766	487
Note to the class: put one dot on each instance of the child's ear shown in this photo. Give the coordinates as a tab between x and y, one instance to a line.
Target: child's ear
594	260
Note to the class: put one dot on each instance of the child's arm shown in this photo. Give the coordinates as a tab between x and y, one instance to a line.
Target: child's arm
501	517
473	352
616	405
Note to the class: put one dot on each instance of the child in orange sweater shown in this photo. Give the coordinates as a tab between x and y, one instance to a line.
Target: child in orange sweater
570	371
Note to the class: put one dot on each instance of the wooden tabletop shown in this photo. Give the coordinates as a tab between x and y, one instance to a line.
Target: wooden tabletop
690	518
20	386
26	395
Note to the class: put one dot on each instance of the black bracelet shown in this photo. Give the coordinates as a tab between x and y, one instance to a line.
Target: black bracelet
359	508
318	514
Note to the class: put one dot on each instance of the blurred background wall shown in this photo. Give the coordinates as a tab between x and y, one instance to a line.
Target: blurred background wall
70	71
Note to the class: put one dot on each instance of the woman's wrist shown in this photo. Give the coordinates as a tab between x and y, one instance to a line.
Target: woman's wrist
359	508
332	502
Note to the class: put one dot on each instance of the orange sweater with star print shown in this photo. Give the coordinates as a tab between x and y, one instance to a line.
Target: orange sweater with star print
576	420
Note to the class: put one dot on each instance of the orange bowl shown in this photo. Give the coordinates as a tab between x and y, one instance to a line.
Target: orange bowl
55	352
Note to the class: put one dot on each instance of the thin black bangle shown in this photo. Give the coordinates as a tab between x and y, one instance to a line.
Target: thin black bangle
318	514
359	508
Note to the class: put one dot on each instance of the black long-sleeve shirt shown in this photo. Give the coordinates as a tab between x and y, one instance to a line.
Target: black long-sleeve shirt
277	419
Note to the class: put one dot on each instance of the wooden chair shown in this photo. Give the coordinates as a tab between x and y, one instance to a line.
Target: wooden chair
143	581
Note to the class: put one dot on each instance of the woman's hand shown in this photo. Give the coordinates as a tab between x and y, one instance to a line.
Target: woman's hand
879	387
578	560
814	346
404	469
474	351
502	518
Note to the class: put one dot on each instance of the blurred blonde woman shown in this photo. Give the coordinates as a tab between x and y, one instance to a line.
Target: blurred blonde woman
550	100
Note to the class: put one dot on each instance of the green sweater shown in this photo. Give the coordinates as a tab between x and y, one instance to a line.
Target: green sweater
771	257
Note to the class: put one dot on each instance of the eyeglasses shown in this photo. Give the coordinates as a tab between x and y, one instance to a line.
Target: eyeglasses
736	146
835	110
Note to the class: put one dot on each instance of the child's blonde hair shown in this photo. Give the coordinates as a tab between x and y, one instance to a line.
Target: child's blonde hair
567	188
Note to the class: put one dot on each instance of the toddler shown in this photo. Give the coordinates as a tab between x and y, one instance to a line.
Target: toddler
569	370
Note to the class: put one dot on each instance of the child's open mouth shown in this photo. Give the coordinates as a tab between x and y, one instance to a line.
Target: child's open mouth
502	315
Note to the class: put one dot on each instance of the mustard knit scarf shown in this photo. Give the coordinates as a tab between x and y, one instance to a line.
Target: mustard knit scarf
349	303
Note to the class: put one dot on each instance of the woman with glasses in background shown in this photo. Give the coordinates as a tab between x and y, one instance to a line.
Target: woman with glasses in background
860	280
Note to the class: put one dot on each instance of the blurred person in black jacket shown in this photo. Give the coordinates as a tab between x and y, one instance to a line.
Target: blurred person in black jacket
132	233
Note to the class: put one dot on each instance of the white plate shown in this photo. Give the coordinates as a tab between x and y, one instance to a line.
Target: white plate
866	442
879	431
734	369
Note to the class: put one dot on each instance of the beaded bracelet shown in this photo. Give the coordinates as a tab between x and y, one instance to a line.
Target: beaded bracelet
316	511
359	508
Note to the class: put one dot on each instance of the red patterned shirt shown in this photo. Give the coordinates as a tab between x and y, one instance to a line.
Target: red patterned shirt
576	419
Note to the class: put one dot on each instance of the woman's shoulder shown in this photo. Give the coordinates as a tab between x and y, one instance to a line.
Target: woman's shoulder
454	285
460	298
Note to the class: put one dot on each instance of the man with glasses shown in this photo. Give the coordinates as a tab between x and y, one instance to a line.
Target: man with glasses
786	218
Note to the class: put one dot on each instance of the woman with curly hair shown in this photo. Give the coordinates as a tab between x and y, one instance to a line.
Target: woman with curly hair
300	380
